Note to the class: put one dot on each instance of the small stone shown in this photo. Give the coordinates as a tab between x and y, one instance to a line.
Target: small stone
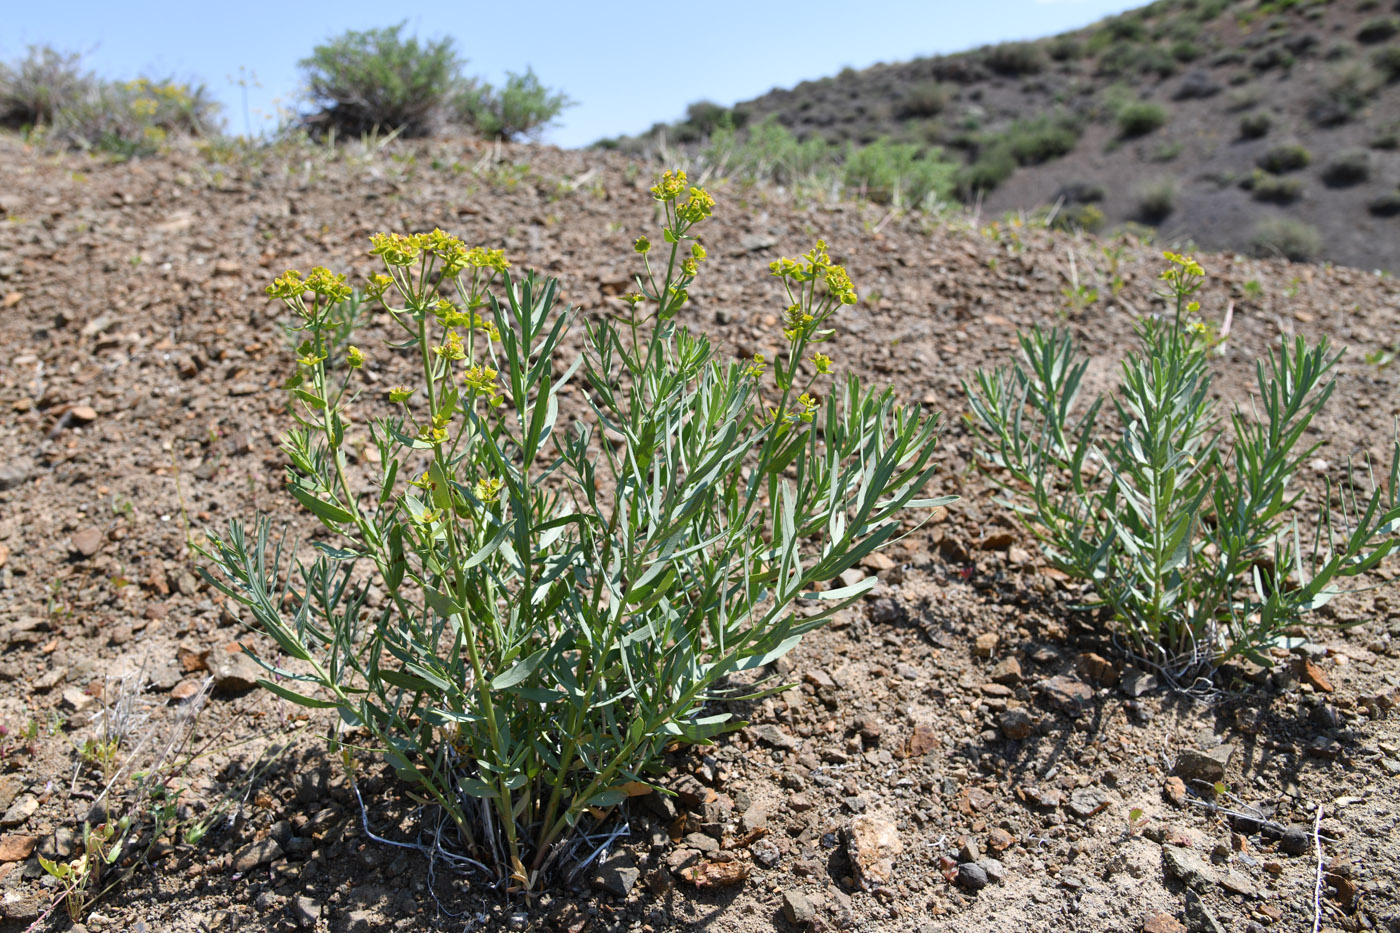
304	911
998	541
1135	683
986	644
1187	866
184	689
1097	669
968	851
922	740
872	844
618	875
798	908
1016	724
87	541
754	819
255	854
1084	802
993	868
1174	789
1199	918
233	670
19	812
1309	673
1162	923
1207	767
706	845
1296	841
1047	798
766	852
83	413
771	735
972	876
1018	556
1238	883
999	840
1066	693
14	848
1007	672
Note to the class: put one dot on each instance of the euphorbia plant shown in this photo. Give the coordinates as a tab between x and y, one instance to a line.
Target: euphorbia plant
562	606
1187	533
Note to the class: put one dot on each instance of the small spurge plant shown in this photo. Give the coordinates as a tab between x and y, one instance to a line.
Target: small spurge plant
580	554
1186	531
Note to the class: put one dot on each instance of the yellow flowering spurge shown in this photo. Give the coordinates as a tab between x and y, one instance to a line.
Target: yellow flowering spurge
567	594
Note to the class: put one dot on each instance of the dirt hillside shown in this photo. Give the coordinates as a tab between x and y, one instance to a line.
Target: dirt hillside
965	719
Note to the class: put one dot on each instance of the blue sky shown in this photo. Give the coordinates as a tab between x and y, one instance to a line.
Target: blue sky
627	65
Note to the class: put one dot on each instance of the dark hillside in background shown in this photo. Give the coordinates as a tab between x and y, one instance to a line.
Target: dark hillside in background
1262	127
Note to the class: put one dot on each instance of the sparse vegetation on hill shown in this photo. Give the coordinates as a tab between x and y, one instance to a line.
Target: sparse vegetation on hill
1188	82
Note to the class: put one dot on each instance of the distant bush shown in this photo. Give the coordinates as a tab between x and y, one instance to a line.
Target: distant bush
1270	58
1139	118
1040	140
1387	61
1081	192
1272	189
705	116
1288	157
134	118
522	108
1184	50
376	79
1013	59
1386	137
1346	168
1286	237
923	100
1387	205
1378	30
1156	60
1065	48
1344	93
40	84
890	173
1156	200
991	167
1255	125
1084	217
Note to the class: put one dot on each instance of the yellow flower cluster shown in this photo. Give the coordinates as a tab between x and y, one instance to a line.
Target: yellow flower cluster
453	349
488	489
1184	275
480	380
397	249
756	367
399	394
322	282
355	357
670	187
796	320
822	362
700	206
818	265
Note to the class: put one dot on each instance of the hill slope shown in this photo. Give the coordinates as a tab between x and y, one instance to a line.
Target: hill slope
1268	127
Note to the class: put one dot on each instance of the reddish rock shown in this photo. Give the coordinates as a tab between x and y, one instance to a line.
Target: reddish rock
986	644
1162	923
1309	673
14	847
87	541
1097	669
999	840
921	741
1174	790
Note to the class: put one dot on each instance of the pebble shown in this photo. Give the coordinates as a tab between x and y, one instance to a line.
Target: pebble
986	644
255	854
1066	693
1208	766
798	908
1162	923
1296	841
1187	866
771	735
1135	682
972	876
1199	917
766	852
1174	789
618	875
86	541
19	812
993	868
1086	801
1007	672
1016	724
304	911
872	843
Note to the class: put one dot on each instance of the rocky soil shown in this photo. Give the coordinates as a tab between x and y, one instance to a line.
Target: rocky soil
964	751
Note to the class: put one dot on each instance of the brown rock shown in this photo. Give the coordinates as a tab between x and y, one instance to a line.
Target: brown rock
715	874
872	843
1016	724
986	644
1206	767
184	689
1018	556
1174	790
227	267
15	847
87	541
1007	671
1162	923
921	741
1309	673
997	541
1066	693
999	840
83	413
1096	669
255	854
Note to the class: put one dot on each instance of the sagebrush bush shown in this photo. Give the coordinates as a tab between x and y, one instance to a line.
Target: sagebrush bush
1285	157
1346	168
1187	534
1272	189
570	584
1138	118
1285	237
521	108
992	166
1385	205
1156	200
1387	61
1343	93
1041	139
376	79
897	173
1014	59
1086	217
1378	30
1255	125
40	84
922	101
